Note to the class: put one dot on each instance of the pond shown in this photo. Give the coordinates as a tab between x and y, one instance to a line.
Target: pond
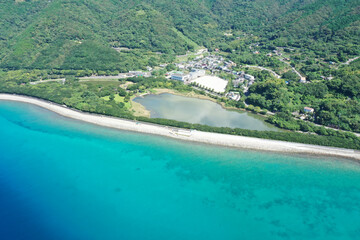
194	110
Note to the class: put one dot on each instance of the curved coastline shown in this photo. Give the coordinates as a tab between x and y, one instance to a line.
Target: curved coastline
188	135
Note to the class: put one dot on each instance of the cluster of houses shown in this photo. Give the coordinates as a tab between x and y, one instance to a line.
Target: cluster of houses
211	63
243	79
197	75
214	64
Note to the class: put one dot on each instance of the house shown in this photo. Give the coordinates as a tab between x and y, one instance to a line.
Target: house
308	110
302	80
234	96
180	66
238	82
249	77
231	64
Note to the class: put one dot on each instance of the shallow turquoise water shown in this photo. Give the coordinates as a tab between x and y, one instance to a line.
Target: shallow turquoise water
63	179
194	110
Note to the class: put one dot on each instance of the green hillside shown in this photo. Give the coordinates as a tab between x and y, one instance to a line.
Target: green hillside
77	34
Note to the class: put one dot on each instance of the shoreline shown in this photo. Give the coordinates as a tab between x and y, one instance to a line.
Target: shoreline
234	141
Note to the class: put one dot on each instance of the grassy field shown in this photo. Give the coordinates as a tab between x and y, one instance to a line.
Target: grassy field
139	110
119	99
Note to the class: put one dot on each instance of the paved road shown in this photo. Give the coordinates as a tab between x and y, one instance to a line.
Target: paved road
49	80
86	79
121	75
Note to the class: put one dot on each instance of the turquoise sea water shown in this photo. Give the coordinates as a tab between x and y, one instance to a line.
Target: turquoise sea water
63	179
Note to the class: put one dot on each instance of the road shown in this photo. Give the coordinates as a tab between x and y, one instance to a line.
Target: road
48	80
295	71
121	75
351	60
336	129
266	69
86	79
199	52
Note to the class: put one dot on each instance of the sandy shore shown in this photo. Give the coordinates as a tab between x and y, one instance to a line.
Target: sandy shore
188	135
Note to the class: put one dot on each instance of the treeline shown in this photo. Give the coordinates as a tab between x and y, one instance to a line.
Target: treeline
142	84
287	121
342	141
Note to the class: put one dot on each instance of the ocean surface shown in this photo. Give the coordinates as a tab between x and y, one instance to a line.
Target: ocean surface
64	179
200	111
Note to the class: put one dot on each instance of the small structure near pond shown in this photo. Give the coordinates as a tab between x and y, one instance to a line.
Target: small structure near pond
234	96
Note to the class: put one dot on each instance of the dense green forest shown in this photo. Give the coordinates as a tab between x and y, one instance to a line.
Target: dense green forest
64	34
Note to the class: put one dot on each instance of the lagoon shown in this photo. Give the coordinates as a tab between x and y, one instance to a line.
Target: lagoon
194	110
65	179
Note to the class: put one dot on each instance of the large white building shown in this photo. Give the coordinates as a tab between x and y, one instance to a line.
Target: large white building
214	83
179	76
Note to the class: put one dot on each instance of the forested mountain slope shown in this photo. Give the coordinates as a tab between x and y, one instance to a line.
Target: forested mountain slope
80	34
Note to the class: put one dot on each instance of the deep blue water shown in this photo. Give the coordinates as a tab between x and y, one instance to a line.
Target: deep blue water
63	179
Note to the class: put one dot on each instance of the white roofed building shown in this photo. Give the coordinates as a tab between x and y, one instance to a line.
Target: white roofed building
179	76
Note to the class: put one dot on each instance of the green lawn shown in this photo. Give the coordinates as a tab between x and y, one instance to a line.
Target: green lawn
119	99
